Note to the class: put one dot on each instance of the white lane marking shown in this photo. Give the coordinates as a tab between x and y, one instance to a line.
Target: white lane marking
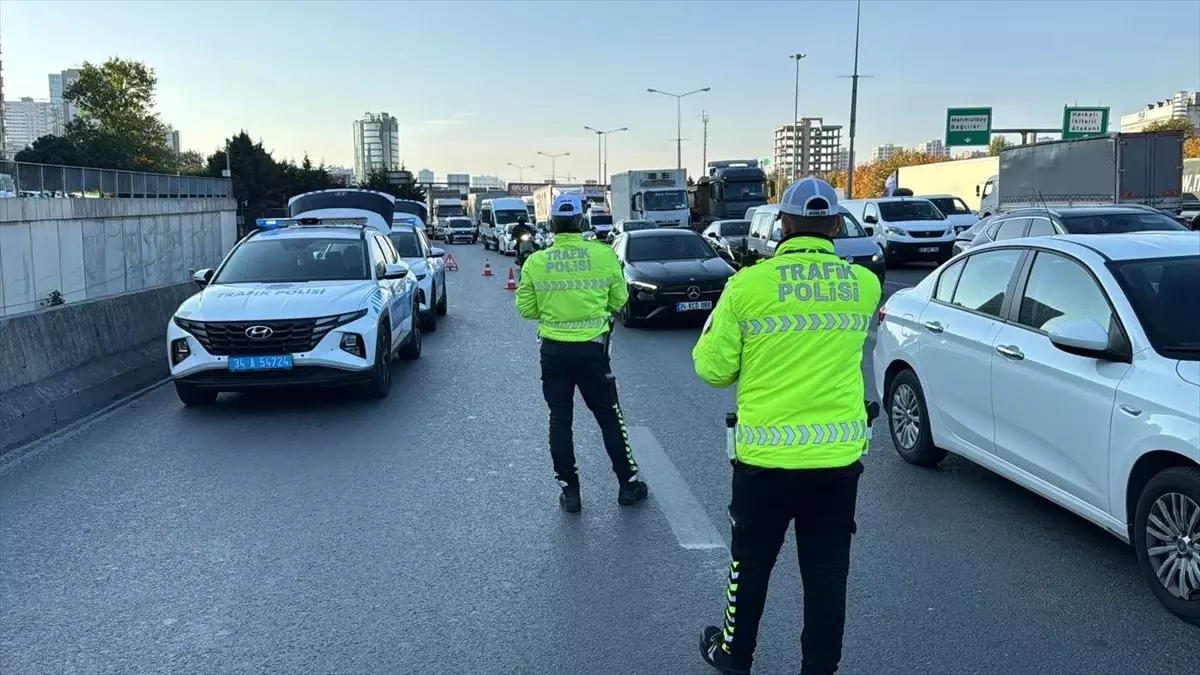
685	514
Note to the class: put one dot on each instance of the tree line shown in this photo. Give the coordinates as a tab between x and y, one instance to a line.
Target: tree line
117	128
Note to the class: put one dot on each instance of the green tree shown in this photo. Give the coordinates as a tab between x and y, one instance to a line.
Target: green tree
305	177
191	163
1174	124
378	180
998	143
257	177
117	127
52	149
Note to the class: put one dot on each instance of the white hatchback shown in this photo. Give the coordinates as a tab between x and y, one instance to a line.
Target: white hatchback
1070	365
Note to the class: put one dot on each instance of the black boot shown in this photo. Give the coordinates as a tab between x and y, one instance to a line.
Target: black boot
632	492
710	649
569	499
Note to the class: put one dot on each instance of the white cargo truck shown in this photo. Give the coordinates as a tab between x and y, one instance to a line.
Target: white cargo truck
651	194
962	178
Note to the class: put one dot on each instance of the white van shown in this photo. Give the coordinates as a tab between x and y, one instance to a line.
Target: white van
908	229
495	215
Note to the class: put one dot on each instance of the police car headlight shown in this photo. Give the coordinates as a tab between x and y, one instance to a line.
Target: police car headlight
343	319
643	286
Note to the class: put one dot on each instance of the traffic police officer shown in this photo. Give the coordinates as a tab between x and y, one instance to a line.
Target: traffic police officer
790	330
572	289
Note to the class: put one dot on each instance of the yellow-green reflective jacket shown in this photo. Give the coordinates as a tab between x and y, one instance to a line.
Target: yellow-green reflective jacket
790	330
571	289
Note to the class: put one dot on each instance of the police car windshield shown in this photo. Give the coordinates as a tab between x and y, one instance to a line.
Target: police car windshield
406	244
511	216
917	209
669	247
292	259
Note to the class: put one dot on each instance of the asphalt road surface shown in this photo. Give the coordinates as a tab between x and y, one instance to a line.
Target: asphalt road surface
318	533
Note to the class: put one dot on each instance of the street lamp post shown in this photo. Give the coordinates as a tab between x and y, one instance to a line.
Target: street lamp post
520	170
602	150
853	105
553	165
678	120
796	119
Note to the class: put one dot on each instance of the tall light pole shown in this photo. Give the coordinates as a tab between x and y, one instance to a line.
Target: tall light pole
520	170
853	105
553	166
602	150
704	158
796	119
678	120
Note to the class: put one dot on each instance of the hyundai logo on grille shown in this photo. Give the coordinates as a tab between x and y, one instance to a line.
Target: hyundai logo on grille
693	292
259	332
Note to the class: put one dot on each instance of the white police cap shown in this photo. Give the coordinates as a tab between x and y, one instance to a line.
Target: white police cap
809	197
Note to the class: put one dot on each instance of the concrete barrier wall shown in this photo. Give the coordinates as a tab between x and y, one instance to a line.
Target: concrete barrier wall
62	363
89	248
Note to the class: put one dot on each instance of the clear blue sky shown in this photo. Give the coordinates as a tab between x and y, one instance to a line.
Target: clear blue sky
479	84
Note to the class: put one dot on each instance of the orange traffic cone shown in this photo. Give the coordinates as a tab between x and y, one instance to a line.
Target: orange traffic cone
487	267
511	285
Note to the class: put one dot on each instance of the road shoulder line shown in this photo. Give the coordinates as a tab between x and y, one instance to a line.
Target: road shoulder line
685	514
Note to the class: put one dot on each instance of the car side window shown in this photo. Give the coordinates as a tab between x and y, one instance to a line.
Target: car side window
1041	227
870	210
1060	290
761	227
948	281
390	256
1012	228
426	248
378	259
984	281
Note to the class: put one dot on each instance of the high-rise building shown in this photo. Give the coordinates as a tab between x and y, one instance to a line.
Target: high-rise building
376	144
1182	104
172	140
812	144
882	152
425	176
934	147
971	154
25	121
841	160
60	83
491	182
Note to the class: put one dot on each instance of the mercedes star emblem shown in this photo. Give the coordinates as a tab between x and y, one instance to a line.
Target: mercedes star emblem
850	259
259	332
693	292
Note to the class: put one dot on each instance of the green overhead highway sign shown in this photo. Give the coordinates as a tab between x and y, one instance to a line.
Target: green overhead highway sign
1084	122
968	126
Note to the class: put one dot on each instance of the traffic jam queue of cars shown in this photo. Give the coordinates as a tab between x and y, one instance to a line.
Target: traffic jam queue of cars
326	297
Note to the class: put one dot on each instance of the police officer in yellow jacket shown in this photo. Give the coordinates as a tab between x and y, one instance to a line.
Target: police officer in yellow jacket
572	289
790	331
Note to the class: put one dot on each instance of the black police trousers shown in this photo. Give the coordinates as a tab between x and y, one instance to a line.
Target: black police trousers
583	365
765	503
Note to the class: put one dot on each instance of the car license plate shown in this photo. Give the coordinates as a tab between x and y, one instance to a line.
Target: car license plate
928	249
239	363
693	306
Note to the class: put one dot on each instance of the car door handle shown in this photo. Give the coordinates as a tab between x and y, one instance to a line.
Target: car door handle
933	327
1011	352
1130	410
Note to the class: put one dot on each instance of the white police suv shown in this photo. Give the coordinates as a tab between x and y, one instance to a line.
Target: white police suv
318	299
428	266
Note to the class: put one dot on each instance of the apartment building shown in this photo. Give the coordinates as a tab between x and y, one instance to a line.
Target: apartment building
1182	104
807	148
376	144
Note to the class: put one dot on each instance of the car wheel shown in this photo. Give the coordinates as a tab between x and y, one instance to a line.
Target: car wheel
442	305
908	420
412	348
1166	535
380	384
191	396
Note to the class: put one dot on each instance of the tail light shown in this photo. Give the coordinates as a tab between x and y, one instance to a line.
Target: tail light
882	314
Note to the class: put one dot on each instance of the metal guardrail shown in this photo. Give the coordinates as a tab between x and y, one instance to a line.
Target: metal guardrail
50	181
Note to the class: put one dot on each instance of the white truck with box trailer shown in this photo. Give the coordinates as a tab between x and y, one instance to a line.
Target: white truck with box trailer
961	178
651	194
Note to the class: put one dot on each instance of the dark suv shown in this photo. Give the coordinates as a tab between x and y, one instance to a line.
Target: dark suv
1044	222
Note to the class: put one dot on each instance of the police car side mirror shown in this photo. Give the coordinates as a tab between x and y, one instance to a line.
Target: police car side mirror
869	230
395	271
437	252
202	277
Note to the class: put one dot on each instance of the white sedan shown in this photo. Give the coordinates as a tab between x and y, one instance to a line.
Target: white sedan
1070	365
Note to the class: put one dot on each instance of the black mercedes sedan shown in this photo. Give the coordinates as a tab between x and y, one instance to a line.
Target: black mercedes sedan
671	273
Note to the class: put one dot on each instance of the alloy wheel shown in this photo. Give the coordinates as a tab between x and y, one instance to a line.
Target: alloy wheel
1173	544
906	416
